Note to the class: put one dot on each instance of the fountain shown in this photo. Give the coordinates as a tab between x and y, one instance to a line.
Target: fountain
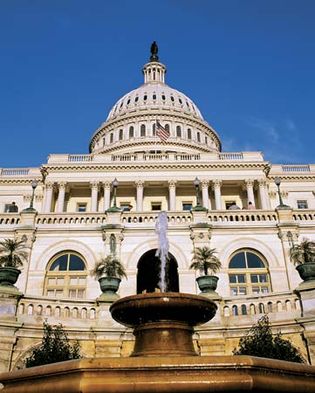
163	321
164	359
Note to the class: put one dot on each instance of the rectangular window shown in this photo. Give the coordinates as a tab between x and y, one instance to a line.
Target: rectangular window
302	204
156	206
187	206
125	206
228	204
81	207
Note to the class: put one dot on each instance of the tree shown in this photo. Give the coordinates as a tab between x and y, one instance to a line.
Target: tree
55	347
12	253
260	342
204	260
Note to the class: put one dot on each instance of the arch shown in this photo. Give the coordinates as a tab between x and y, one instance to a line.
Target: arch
111	138
248	273
131	132
148	274
121	134
178	132
66	275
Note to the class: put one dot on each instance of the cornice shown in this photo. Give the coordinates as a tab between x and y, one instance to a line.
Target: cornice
119	166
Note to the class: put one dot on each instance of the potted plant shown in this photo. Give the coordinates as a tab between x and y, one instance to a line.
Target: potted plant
13	255
303	256
205	260
109	271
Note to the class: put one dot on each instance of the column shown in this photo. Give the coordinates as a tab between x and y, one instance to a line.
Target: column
94	196
61	197
139	185
172	195
205	193
48	197
250	191
217	194
263	194
106	195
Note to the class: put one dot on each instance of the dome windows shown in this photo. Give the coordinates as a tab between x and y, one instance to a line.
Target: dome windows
142	130
136	99
131	132
111	138
145	97
154	97
121	134
189	134
198	137
178	132
163	97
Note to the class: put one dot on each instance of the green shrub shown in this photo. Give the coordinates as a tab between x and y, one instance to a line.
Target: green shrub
260	342
55	347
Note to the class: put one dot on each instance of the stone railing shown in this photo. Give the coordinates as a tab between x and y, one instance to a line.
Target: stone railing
18	172
174	218
303	215
32	307
274	303
80	157
144	157
241	216
231	156
10	219
74	219
296	168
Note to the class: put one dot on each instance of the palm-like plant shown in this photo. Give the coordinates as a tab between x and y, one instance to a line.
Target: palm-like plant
204	259
13	253
303	252
109	266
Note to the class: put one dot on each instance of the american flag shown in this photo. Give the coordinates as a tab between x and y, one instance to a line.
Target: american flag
161	132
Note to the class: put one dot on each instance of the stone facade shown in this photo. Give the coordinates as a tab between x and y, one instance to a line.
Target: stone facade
71	217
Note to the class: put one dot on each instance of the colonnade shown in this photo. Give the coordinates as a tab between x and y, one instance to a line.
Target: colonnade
205	186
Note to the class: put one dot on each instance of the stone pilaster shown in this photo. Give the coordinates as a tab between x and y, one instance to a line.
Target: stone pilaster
94	196
217	194
172	195
205	193
140	186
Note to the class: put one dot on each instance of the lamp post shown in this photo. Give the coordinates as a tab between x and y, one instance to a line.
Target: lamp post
114	208
34	185
281	204
115	185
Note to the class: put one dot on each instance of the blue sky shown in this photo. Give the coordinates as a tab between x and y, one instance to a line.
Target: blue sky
249	66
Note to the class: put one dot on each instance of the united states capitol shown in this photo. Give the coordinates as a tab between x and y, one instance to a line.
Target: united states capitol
155	152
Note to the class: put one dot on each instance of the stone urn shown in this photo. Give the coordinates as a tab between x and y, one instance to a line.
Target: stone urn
9	275
109	286
306	271
207	284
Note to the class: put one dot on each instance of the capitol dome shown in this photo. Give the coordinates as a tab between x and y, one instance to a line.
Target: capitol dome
132	120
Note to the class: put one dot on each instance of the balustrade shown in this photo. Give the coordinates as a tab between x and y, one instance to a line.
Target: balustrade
71	219
240	216
261	304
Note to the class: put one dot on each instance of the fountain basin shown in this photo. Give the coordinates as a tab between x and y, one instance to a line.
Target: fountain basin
163	322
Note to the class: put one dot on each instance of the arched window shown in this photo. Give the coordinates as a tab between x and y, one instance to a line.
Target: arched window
153	129
66	276
142	130
188	133
248	273
111	138
178	132
121	135
167	127
198	137
131	132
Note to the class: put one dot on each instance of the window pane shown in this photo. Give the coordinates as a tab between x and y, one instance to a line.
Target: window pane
254	278
187	206
242	290
253	261
76	263
238	261
265	290
234	291
80	293
241	278
72	293
232	278
263	278
50	292
256	290
60	263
